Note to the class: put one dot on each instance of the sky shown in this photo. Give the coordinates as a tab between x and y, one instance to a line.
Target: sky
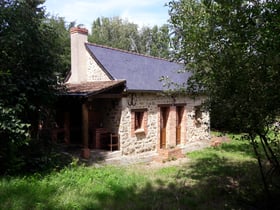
141	12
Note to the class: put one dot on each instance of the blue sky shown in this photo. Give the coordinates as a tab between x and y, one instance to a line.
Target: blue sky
141	12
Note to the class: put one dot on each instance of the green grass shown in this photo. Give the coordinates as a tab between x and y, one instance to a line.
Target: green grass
225	177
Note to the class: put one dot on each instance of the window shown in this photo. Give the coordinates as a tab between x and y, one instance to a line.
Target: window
198	112
138	121
197	115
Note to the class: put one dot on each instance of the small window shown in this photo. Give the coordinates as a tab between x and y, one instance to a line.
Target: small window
139	121
198	112
198	115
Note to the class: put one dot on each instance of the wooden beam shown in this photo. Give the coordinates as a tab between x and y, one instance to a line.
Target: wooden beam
85	124
67	127
112	95
85	150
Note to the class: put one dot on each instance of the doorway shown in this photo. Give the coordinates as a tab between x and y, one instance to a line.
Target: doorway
164	112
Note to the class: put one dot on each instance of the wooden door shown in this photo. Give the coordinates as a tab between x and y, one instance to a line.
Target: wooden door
164	111
179	118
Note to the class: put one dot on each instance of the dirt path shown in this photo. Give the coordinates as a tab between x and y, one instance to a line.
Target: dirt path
157	165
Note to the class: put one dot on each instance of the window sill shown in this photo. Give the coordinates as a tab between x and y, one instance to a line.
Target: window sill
139	130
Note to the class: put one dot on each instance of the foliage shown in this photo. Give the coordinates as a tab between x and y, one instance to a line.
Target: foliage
115	32
232	47
215	178
62	43
30	65
13	134
121	34
155	41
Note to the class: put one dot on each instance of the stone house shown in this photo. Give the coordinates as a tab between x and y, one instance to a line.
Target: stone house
115	100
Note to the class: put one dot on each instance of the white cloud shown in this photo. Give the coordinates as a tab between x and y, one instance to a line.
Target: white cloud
144	12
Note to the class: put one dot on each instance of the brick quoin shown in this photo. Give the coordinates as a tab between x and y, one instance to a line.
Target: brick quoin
172	126
132	133
145	122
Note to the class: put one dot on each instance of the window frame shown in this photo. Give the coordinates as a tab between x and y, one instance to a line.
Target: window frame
139	119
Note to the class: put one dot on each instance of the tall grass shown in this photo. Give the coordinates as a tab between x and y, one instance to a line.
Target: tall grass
225	177
72	188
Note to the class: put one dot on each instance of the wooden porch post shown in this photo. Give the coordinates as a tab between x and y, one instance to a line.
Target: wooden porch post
85	150
67	127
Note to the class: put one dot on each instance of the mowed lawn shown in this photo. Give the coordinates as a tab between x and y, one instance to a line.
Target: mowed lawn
224	177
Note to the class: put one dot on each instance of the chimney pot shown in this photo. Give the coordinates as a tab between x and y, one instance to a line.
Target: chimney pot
79	30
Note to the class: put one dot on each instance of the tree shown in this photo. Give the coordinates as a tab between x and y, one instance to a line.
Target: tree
232	48
115	32
155	41
30	65
62	43
121	34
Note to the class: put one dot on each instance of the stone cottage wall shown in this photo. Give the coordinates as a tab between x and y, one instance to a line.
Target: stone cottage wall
112	115
94	72
197	129
139	143
117	117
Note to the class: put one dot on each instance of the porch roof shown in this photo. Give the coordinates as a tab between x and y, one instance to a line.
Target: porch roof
92	88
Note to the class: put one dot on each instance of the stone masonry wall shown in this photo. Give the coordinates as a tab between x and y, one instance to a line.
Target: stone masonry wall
139	143
197	131
118	119
112	115
94	72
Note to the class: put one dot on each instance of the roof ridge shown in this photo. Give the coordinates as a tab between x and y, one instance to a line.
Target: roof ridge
126	51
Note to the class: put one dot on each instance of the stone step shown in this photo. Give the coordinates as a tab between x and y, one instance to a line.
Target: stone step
103	155
131	159
193	146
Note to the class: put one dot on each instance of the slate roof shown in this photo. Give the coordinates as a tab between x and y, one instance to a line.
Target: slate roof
142	73
92	88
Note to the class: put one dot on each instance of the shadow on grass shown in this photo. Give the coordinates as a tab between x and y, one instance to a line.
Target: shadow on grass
238	146
210	182
26	195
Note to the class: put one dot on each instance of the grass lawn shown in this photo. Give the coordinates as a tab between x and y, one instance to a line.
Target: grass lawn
224	177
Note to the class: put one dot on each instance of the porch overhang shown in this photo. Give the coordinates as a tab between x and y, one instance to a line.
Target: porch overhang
96	89
85	94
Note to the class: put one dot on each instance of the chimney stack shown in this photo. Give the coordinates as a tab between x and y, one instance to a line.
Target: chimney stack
78	55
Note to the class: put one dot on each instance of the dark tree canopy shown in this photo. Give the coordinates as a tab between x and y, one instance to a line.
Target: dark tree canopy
30	65
232	47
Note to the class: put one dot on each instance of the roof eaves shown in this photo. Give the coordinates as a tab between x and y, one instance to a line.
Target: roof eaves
143	91
89	93
123	82
72	94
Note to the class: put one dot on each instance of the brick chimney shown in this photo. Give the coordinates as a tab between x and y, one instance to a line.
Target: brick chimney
78	55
